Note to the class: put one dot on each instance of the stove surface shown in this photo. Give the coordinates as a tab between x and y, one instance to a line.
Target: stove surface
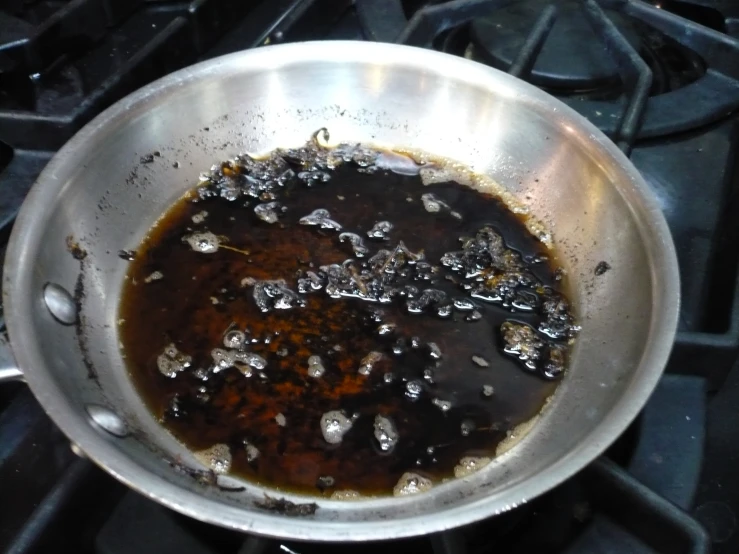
660	78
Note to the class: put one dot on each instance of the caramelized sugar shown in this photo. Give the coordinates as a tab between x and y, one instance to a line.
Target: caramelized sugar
441	376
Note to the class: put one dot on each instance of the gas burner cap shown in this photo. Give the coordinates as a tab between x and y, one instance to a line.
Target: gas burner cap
573	58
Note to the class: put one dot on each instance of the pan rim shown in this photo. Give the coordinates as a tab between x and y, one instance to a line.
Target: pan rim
70	419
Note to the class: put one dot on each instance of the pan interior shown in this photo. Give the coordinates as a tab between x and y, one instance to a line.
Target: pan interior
388	339
110	184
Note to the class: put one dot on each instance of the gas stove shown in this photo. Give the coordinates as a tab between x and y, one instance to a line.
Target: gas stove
661	78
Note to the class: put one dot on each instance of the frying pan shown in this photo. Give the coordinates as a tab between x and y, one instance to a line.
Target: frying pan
97	196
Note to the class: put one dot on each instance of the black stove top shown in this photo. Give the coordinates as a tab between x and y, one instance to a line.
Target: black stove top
660	77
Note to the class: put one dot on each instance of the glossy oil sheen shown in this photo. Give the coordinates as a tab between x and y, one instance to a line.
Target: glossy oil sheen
200	296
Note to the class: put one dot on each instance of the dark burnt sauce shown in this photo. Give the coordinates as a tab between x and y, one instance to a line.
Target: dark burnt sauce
319	323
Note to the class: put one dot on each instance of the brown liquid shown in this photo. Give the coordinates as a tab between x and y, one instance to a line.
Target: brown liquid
200	296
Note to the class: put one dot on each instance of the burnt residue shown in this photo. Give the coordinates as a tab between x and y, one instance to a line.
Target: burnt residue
149	158
602	267
80	254
285	507
80	328
74	248
79	290
204	477
133	176
294	303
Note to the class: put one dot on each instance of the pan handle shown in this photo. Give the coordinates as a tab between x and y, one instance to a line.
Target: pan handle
8	368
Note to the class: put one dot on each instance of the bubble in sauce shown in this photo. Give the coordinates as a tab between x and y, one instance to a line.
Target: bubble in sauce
474	316
252	359
309	177
413	389
241	360
270	295
522	341
397	163
199	217
432	204
443	405
434	350
470	464
252	452
311	282
222	359
466	427
334	425
554	366
155	276
360	250
427	298
217	458
320	218
172	361
464	304
345	495
205	242
385	433
234	339
315	366
480	361
269	212
444	311
369	361
380	230
412	483
515	435
386	328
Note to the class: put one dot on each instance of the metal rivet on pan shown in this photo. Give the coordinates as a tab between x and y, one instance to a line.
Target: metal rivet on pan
107	420
60	303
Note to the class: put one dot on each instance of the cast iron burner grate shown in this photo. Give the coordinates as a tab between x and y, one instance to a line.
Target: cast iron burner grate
717	89
563	66
61	63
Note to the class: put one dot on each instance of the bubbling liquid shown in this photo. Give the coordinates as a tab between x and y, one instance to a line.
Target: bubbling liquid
324	322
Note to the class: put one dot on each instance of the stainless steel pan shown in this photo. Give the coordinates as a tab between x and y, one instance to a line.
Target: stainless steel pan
570	175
